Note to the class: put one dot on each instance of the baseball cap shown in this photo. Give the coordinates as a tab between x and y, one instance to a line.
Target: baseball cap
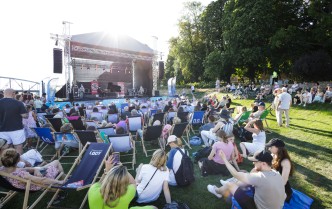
275	142
261	104
171	138
261	156
3	142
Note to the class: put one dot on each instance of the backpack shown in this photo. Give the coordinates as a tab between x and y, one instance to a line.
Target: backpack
202	153
185	174
176	205
228	127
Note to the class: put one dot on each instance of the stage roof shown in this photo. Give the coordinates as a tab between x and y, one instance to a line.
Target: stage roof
103	39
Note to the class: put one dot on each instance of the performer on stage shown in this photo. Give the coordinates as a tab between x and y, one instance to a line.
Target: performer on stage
81	91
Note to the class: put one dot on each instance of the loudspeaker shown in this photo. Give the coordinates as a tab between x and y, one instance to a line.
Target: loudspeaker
156	93
71	97
57	60
161	69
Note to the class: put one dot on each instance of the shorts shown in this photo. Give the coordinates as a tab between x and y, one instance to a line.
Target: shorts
14	137
244	200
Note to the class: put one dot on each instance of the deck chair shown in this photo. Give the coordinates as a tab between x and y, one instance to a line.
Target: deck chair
183	116
46	137
170	116
244	117
49	116
84	137
179	130
13	191
152	133
77	124
158	116
56	123
263	118
197	119
85	169
105	132
113	118
134	123
97	115
68	139
87	113
91	123
152	112
123	143
41	118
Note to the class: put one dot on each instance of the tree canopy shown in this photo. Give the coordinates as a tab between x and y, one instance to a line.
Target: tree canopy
252	38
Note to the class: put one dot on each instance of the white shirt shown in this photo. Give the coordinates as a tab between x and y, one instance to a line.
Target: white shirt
176	165
153	190
285	100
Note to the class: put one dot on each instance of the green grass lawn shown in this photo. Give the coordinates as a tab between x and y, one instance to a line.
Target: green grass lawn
308	139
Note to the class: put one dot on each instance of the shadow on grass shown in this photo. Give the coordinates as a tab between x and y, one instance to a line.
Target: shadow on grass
312	130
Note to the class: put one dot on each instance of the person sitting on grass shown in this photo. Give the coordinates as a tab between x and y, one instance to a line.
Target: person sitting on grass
268	184
115	190
319	97
174	157
152	178
328	95
282	163
39	175
258	135
213	164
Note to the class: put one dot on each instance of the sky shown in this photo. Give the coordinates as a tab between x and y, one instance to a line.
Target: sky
26	46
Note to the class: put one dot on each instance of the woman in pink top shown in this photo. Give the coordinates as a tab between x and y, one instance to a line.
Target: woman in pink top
214	164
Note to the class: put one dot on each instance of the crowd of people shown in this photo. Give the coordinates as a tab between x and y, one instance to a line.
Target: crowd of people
117	188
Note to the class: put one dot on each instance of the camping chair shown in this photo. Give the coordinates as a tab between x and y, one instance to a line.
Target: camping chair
13	191
196	120
113	118
123	143
44	135
84	137
77	124
85	169
97	115
152	133
183	116
179	130
134	123
56	123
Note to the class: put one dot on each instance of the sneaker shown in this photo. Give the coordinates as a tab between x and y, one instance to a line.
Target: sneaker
304	105
212	189
223	182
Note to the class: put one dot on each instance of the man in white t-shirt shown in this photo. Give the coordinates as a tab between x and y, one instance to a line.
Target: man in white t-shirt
285	101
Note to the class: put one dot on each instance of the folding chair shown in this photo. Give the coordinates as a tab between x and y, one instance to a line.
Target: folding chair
244	117
123	143
152	133
56	123
84	137
77	124
13	191
45	135
158	116
196	120
179	130
134	123
183	116
85	169
263	118
97	115
113	118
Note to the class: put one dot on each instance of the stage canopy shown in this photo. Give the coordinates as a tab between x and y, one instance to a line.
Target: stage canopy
108	58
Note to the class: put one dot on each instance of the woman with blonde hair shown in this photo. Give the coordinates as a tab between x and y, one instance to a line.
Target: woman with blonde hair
213	164
152	178
115	190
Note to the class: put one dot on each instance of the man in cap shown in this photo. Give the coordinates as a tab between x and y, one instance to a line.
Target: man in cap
285	101
268	184
11	114
223	123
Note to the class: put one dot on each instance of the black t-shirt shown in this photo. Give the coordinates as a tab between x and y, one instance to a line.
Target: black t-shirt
10	114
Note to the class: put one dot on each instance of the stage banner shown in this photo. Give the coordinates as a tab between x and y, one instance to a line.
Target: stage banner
122	85
94	87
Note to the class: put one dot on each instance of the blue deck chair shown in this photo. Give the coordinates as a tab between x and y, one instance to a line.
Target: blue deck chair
46	137
152	112
122	106
197	119
113	118
85	170
123	143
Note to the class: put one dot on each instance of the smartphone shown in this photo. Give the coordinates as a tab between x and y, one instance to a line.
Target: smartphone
116	158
